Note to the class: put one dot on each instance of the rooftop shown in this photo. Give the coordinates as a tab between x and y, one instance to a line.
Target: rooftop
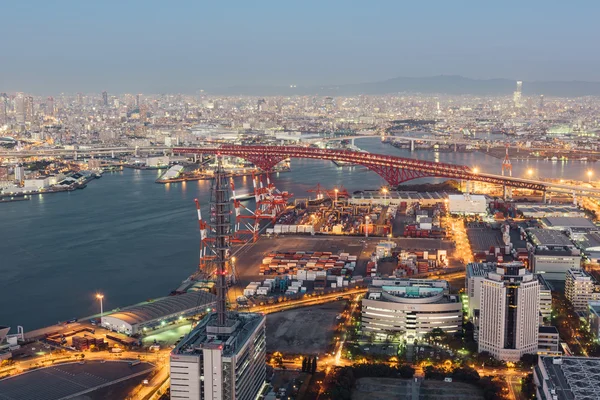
574	378
548	237
568	222
480	269
164	307
201	337
548	329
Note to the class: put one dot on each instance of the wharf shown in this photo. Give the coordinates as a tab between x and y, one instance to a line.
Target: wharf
10	200
204	176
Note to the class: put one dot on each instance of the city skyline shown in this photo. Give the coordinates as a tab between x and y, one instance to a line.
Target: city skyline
157	48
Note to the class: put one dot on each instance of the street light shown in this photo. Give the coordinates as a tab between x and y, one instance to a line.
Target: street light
100	296
385	192
530	172
589	174
336	190
367	226
475	170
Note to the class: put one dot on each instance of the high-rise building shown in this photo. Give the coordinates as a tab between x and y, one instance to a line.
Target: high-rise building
581	288
541	104
29	111
224	356
50	106
105	99
20	108
137	100
509	315
19	173
517	94
3	108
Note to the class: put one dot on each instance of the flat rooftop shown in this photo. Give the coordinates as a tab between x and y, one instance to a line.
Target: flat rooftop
548	208
199	338
568	222
575	378
548	237
68	380
480	269
397	195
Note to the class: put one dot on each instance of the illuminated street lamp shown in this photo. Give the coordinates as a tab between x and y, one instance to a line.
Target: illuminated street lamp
530	172
385	192
100	296
589	174
367	226
475	170
336	190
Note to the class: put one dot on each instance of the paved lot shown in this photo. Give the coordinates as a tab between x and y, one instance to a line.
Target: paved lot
65	380
400	389
303	331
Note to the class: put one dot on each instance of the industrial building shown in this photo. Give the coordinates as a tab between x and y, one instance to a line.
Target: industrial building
133	320
549	210
554	262
412	306
217	362
589	243
509	312
567	378
396	198
567	223
581	288
467	204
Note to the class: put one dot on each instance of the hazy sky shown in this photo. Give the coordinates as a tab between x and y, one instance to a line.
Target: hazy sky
169	46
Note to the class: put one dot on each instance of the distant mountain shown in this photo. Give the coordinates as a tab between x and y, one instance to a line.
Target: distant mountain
443	84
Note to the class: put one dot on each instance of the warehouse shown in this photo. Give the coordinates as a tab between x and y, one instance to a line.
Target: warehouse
465	204
159	312
397	198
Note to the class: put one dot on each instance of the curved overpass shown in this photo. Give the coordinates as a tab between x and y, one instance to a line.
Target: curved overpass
394	170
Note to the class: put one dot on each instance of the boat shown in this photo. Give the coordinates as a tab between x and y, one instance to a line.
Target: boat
554	159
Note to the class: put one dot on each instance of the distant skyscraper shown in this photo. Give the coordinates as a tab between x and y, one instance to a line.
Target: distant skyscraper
509	309
20	108
29	112
3	108
517	94
137	100
50	106
105	99
80	99
541	105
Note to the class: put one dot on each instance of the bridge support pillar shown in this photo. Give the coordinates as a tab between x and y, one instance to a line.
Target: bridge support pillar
75	156
112	154
195	158
455	147
574	198
412	146
352	141
544	197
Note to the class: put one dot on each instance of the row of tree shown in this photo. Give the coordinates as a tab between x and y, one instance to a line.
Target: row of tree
309	364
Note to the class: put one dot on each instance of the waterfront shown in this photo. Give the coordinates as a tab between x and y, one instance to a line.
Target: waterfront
133	239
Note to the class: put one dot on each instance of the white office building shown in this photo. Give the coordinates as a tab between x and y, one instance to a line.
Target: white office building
465	204
580	289
509	312
554	262
414	307
221	362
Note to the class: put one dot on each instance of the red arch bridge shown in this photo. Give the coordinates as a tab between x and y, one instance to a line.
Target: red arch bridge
394	170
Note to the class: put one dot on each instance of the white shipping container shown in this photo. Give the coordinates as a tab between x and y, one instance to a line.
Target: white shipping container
321	273
334	285
345	283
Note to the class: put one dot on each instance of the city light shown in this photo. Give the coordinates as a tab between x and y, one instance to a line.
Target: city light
100	297
475	170
530	172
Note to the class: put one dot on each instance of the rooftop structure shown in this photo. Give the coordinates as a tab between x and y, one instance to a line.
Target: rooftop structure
594	318
466	204
397	197
133	320
567	378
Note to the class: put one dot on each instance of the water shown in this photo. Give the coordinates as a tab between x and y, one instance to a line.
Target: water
133	239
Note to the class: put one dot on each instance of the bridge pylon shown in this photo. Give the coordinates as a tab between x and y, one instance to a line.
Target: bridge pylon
507	171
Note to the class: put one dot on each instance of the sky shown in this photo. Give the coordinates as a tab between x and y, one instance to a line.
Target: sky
150	46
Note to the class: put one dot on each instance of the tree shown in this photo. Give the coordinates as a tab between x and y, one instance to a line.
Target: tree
528	387
529	360
465	374
406	371
313	368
